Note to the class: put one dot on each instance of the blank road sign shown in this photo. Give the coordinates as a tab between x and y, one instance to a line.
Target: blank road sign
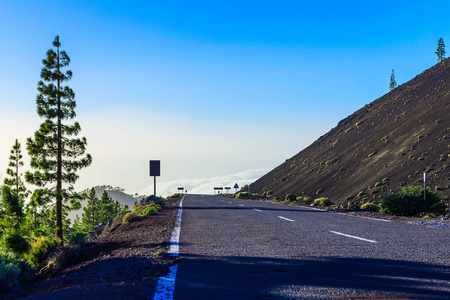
155	168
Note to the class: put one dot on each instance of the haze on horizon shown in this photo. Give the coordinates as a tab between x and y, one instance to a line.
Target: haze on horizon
219	92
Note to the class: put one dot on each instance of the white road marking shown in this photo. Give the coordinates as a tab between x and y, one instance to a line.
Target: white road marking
354	237
166	285
230	202
286	219
383	220
257	209
241	204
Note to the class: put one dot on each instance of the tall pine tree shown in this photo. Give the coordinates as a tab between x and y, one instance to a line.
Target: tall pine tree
53	151
392	83
440	52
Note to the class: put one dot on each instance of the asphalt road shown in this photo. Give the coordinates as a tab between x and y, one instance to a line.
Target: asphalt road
243	249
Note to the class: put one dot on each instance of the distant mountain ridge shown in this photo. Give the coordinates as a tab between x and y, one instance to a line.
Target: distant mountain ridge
378	149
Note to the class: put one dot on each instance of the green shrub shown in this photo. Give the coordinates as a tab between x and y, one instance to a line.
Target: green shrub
16	245
370	206
123	212
9	276
14	272
307	199
243	195
323	201
151	209
152	199
78	237
267	194
410	202
177	195
39	248
128	217
290	198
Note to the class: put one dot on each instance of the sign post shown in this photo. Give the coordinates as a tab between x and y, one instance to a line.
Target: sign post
155	170
218	189
424	190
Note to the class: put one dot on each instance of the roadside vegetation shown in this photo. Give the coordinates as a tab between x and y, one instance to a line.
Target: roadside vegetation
408	202
34	223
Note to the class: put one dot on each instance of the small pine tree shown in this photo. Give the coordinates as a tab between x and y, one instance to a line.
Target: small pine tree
109	208
11	210
91	216
440	52
14	181
393	83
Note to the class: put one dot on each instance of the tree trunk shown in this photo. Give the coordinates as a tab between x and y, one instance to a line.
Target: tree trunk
59	224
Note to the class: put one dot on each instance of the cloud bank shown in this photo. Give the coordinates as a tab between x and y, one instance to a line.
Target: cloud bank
205	185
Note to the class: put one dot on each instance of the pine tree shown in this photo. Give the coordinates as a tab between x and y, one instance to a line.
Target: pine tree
14	181
440	52
107	207
12	210
53	152
393	83
91	216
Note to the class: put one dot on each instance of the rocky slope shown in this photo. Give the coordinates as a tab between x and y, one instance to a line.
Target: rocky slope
385	145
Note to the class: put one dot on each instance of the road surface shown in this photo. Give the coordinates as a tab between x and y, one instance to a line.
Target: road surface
244	249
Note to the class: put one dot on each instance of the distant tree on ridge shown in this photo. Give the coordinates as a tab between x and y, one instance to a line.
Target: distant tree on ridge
440	52
393	83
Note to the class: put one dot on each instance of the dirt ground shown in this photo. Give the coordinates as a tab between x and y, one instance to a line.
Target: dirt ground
124	264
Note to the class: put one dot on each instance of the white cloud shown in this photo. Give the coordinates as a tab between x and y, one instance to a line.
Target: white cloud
205	185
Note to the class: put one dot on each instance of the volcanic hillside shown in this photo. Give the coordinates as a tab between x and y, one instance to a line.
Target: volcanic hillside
383	146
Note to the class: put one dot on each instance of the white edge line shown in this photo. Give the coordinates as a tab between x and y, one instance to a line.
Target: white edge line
286	219
382	220
353	237
166	285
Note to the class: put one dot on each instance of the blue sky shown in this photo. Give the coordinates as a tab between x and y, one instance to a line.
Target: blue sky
212	88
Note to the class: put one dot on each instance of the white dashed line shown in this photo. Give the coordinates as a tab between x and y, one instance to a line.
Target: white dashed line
241	204
286	219
353	237
257	209
230	202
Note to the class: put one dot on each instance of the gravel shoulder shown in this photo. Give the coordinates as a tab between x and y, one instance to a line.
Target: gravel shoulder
126	263
435	223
